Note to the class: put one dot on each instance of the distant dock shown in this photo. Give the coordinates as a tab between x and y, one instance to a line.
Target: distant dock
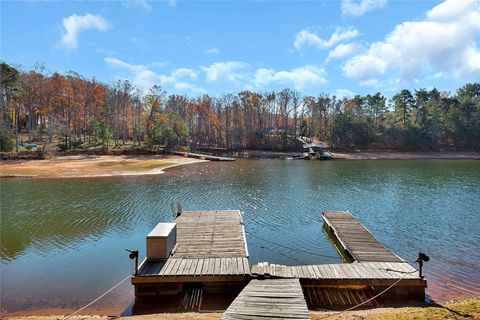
202	156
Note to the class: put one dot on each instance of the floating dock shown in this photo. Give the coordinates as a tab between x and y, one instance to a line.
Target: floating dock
374	268
269	299
210	256
356	241
210	251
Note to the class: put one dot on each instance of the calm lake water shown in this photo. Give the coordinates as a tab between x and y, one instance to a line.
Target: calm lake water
63	240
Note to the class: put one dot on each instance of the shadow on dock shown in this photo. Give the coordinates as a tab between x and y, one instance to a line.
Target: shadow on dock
190	300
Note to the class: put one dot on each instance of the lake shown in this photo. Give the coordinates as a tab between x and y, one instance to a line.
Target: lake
63	241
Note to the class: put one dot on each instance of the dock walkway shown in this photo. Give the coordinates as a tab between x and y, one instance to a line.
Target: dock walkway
365	273
269	299
356	240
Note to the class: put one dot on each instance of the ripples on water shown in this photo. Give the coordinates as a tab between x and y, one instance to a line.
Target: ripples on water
63	240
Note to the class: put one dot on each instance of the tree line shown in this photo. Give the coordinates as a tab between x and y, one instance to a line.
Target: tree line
72	112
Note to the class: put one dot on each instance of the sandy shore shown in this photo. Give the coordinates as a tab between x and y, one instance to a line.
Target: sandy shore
91	166
465	309
395	155
122	165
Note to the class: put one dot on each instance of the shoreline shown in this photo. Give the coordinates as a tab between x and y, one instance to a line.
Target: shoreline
87	166
374	155
454	309
397	155
93	166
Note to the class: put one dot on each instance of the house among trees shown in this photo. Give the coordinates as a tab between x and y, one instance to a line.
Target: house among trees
314	149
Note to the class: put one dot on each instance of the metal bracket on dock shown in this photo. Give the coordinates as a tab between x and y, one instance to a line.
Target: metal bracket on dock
422	257
134	255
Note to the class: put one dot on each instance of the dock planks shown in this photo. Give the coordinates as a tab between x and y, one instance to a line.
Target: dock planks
211	247
210	234
356	240
344	271
209	244
196	267
269	299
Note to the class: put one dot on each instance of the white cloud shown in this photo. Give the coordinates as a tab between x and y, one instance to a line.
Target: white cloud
343	50
145	78
359	8
451	10
224	70
114	62
301	78
184	73
445	42
75	24
185	86
237	72
143	4
212	51
309	39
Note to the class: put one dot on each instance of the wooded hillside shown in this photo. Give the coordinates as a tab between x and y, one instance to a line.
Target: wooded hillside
71	112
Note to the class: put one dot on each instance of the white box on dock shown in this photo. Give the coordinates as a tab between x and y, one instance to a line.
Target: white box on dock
161	240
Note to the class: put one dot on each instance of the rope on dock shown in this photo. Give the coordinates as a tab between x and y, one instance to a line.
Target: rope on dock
399	271
98	298
366	301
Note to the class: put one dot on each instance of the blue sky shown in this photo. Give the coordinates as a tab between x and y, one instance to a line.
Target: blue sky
192	47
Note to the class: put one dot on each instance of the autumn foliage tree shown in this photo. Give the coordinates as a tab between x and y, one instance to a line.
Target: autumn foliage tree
71	112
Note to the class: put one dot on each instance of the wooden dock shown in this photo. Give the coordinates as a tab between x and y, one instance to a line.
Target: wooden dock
210	259
210	247
345	281
269	299
374	269
356	241
202	156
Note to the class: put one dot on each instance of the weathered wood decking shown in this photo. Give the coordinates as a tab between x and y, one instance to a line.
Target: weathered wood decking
211	256
269	299
343	272
186	267
210	234
375	268
210	245
356	240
